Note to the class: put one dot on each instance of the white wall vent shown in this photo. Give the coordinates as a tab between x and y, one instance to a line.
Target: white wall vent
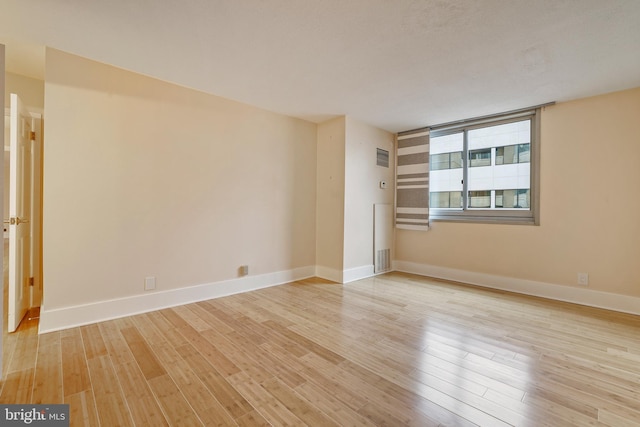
382	158
383	261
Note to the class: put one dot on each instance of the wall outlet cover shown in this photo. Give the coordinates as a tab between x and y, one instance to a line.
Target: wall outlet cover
583	279
243	270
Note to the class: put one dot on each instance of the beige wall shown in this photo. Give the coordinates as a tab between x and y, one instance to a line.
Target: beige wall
30	91
362	190
145	178
330	198
589	207
347	188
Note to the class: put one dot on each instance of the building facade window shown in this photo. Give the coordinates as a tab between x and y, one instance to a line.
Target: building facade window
444	161
513	199
486	169
445	199
513	154
479	199
480	157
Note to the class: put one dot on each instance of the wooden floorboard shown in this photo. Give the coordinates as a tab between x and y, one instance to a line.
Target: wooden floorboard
395	349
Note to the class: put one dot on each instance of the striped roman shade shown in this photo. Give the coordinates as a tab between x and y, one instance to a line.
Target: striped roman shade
412	183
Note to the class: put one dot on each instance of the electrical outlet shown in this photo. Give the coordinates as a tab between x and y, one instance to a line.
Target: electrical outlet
149	283
583	279
243	270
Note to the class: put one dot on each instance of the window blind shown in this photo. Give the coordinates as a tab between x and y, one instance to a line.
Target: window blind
412	180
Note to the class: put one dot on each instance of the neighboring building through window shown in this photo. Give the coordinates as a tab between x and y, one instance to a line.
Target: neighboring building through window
485	169
445	161
445	199
513	154
480	158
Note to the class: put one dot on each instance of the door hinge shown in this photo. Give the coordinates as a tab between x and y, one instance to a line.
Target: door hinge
32	135
31	281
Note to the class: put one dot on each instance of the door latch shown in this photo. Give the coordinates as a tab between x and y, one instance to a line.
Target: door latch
15	220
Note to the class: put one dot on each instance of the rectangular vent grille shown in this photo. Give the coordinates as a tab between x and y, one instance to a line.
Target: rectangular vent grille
383	260
382	158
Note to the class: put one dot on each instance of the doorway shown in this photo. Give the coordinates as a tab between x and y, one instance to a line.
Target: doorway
22	232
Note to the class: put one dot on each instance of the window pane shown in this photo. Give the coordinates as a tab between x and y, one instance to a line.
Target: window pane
500	156
456	160
513	154
513	133
446	173
446	143
479	199
513	199
456	199
524	199
439	162
510	154
524	153
446	200
509	143
445	161
480	157
439	200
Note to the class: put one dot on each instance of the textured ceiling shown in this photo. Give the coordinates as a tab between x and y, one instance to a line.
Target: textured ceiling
398	64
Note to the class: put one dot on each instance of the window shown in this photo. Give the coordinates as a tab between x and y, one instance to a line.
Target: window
513	154
513	199
485	169
446	199
446	161
479	199
480	157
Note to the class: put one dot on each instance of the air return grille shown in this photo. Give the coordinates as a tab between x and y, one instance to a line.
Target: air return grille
383	260
382	158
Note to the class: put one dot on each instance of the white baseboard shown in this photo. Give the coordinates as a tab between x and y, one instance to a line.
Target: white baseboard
357	273
329	273
68	317
588	297
345	276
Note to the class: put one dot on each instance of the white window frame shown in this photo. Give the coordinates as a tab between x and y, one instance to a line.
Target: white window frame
530	216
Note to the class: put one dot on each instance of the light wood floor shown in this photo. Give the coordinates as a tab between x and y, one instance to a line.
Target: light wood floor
392	350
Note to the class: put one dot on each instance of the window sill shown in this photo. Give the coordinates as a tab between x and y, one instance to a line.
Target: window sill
478	219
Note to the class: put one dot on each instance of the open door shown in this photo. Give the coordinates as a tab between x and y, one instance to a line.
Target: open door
19	200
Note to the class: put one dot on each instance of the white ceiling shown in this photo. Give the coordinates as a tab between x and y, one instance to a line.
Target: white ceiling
395	64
